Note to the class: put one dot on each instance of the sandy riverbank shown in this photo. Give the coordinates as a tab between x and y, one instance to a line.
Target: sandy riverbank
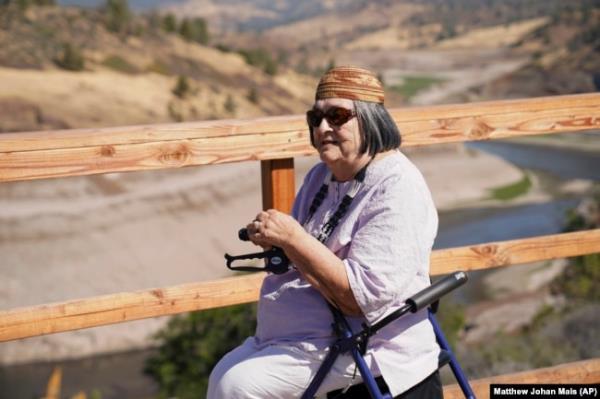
79	237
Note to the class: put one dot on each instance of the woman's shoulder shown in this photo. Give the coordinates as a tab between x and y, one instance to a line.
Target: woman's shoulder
395	169
395	179
313	180
316	173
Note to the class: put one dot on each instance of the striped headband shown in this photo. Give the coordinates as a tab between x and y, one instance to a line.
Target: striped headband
350	82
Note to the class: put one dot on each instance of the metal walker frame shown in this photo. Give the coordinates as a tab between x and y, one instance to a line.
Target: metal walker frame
356	343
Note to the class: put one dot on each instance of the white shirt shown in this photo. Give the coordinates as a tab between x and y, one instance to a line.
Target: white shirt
385	242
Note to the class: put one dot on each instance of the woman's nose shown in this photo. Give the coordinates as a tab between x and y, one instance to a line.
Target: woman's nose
323	126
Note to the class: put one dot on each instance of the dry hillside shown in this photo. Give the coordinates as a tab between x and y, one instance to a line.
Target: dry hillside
242	15
334	31
565	59
127	78
94	235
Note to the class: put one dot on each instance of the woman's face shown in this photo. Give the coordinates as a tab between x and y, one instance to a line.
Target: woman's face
337	144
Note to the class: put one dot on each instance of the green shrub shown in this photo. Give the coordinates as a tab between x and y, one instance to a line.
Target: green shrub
448	31
169	23
191	345
413	84
158	67
182	87
223	48
270	67
534	349
252	95
70	58
118	15
119	64
511	191
185	29
451	317
581	279
194	30
260	58
230	105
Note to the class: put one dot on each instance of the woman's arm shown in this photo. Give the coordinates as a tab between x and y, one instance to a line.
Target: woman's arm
319	266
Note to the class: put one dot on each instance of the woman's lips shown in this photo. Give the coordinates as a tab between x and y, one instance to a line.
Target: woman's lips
325	142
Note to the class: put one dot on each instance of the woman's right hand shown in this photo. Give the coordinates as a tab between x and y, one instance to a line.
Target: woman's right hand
252	229
273	228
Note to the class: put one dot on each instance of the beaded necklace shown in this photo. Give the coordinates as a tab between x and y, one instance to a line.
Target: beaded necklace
329	226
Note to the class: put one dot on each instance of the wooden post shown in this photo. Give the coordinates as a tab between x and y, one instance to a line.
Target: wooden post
278	184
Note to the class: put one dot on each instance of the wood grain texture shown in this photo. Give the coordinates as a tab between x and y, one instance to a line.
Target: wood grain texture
42	164
117	308
35	155
506	253
278	184
582	372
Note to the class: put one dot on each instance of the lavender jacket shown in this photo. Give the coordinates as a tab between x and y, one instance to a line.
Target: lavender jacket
384	241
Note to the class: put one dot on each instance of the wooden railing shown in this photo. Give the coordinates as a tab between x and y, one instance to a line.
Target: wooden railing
275	142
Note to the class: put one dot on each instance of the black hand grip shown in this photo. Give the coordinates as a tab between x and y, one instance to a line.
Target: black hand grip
243	234
435	291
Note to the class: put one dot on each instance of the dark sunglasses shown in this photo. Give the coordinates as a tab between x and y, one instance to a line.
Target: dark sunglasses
335	116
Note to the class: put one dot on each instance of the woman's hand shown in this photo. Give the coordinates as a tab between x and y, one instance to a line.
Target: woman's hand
315	262
273	228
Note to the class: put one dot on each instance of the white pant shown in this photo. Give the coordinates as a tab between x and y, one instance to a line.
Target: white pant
275	372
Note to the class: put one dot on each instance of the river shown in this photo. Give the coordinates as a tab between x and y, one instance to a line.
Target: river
120	376
552	166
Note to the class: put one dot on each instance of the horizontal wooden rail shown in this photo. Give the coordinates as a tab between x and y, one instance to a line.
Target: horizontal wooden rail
37	155
116	308
582	372
514	252
127	306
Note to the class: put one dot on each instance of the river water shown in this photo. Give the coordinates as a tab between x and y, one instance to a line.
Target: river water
552	166
120	376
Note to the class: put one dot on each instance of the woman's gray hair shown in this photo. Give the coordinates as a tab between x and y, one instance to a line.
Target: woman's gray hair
378	131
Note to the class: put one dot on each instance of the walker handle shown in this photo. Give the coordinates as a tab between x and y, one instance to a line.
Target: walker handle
435	291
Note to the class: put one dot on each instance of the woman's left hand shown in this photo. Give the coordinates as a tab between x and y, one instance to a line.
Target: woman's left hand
273	228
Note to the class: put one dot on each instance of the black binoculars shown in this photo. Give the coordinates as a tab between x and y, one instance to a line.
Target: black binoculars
275	259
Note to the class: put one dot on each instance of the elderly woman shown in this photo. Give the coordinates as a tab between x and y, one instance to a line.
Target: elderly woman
360	238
